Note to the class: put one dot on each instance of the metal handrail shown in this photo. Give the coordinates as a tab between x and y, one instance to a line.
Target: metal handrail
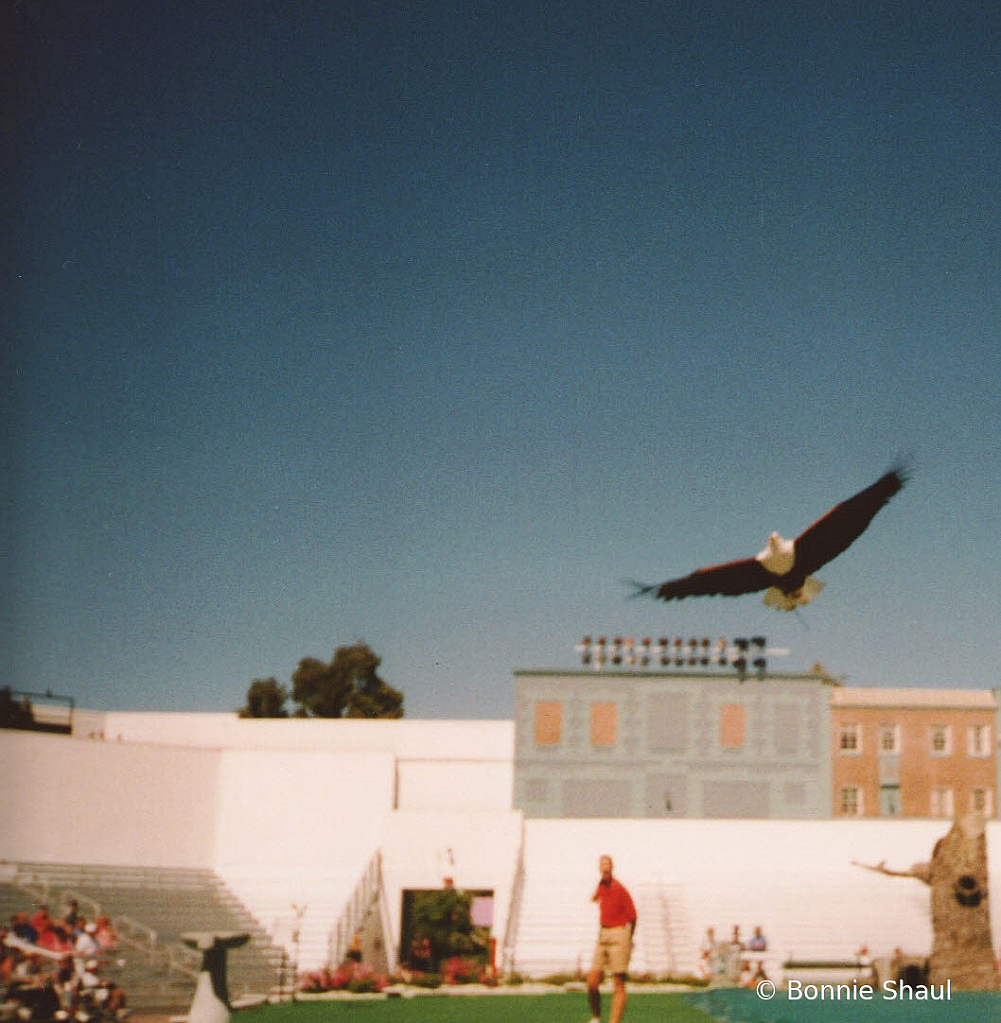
514	909
364	894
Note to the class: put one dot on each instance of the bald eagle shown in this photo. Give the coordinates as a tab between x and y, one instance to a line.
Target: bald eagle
783	568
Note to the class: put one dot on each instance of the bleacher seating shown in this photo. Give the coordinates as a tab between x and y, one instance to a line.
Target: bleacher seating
796	879
167	901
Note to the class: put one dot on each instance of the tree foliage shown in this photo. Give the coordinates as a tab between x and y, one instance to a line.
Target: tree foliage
265	699
443	917
349	685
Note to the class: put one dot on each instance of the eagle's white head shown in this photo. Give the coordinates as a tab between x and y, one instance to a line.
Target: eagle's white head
779	556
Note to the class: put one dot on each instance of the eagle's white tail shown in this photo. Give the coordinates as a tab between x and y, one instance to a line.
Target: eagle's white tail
774	597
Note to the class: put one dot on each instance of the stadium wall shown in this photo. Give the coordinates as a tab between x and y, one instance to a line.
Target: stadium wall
66	800
288	813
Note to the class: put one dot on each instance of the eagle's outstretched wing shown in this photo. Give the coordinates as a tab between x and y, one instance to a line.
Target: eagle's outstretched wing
845	522
729	580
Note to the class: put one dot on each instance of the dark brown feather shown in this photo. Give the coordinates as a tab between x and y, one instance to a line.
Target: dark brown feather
730	580
844	523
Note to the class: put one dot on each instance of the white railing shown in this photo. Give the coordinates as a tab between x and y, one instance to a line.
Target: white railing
368	892
514	910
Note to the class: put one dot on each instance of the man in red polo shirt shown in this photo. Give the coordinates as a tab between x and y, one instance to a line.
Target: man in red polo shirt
615	942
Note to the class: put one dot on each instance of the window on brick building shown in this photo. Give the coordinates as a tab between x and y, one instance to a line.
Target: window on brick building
850	803
889	739
850	738
982	801
889	800
978	740
941	740
941	802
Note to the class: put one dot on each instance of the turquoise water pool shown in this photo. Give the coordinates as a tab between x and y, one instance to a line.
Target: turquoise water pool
737	1006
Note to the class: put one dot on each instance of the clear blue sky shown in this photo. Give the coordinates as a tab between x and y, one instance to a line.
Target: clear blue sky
428	324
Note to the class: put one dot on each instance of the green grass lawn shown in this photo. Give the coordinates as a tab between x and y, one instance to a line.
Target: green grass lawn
963	1007
554	1008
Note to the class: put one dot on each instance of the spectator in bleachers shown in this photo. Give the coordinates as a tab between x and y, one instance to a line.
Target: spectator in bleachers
85	946
757	942
40	919
53	938
104	934
21	927
53	976
735	939
71	913
65	982
8	956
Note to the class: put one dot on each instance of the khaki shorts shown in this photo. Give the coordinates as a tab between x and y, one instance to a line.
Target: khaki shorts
615	946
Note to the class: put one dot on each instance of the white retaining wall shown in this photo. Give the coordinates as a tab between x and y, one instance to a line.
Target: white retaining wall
797	879
288	812
66	800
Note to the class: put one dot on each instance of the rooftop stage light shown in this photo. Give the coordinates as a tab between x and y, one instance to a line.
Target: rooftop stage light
627	652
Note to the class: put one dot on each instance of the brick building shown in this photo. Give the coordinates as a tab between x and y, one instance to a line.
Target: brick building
913	752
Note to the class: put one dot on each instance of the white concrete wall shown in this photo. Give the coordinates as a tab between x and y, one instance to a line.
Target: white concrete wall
66	800
298	829
450	784
301	809
407	738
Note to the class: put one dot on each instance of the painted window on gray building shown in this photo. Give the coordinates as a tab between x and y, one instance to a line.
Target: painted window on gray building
786	724
548	722
596	797
667	722
732	726
735	799
603	723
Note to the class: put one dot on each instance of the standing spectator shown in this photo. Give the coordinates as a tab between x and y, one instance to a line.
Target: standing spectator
71	914
617	916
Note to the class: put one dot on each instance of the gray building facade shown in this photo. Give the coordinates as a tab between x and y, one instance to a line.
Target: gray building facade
628	743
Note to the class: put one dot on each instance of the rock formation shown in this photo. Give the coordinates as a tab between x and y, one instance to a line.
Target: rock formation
962	950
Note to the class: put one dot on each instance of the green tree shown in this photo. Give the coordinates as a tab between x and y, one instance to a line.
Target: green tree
265	699
443	917
349	686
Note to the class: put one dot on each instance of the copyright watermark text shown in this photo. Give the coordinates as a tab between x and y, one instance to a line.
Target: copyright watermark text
889	990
